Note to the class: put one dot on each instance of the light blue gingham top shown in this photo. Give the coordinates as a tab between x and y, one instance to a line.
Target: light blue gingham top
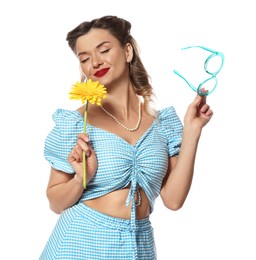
120	164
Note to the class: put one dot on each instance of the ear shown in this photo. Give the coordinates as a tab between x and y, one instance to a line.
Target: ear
128	52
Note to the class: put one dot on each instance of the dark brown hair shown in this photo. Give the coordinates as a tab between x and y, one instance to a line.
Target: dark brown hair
120	29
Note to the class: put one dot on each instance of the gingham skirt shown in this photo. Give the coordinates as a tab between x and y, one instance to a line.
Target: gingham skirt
82	233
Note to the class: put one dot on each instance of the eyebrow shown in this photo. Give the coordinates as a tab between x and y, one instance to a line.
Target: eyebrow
98	46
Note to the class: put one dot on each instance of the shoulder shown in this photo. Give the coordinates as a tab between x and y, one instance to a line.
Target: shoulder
171	127
166	111
62	138
63	115
68	123
168	114
169	121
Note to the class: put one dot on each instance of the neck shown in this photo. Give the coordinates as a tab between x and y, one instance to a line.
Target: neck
122	103
120	123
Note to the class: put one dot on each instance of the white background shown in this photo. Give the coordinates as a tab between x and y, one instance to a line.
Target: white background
37	70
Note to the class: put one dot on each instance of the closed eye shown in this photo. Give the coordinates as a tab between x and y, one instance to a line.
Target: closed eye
105	51
84	60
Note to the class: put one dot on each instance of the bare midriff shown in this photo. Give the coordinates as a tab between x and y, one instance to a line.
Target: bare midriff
114	204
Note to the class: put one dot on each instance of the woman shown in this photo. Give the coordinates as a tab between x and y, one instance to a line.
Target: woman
133	153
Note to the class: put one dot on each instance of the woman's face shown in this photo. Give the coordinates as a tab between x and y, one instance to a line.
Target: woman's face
102	58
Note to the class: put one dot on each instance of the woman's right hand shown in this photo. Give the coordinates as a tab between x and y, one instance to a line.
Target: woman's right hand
75	158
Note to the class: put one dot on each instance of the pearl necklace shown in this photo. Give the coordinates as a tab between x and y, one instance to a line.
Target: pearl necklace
119	123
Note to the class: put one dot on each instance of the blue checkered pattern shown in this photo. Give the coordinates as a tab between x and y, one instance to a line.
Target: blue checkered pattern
120	164
82	233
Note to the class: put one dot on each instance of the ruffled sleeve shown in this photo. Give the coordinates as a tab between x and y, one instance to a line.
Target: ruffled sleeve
62	138
171	127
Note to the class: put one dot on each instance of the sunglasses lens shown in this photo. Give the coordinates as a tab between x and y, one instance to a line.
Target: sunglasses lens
207	87
214	64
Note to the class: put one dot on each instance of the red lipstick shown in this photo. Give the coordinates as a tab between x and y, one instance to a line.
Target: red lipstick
101	72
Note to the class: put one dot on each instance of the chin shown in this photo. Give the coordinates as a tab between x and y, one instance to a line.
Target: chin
104	82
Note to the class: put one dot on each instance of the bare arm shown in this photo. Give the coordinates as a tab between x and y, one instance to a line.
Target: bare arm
64	190
179	177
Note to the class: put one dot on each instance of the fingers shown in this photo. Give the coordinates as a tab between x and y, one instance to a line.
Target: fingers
199	100
203	106
206	110
82	145
84	137
199	104
75	155
200	97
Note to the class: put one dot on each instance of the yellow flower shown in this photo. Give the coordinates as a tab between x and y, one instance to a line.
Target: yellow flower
90	90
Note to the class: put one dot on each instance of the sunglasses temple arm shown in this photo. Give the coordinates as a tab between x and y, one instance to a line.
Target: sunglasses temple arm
190	85
197	46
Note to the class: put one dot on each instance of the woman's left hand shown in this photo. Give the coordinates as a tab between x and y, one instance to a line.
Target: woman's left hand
198	113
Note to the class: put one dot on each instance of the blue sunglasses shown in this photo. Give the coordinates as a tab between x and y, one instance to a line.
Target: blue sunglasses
200	89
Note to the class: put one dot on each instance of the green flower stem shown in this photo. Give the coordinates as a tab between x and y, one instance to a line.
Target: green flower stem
84	156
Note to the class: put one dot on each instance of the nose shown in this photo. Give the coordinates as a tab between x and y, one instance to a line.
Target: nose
96	61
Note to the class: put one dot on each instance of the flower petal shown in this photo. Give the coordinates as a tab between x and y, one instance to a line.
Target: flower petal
90	90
